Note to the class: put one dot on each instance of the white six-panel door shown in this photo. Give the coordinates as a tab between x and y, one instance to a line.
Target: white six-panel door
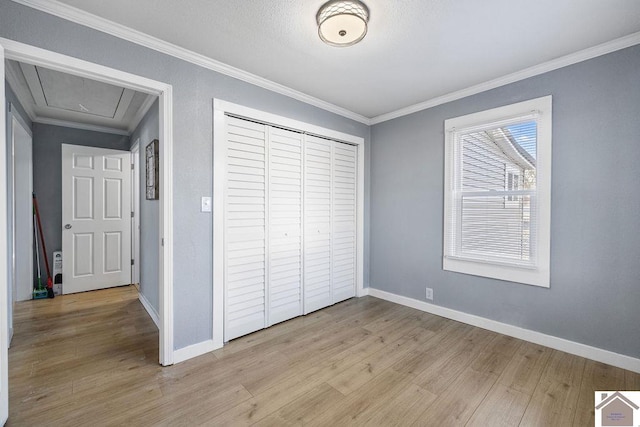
96	218
290	225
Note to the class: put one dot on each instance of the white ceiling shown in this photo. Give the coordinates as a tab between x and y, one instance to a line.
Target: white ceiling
53	97
415	50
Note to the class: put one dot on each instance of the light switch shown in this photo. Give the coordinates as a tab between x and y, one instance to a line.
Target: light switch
205	204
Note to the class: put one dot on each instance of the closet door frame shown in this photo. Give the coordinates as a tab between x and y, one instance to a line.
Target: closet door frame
222	108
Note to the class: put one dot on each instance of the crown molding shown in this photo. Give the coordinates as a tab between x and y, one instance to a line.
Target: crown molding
81	17
82	126
554	64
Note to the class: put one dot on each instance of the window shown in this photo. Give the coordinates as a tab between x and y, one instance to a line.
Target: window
497	193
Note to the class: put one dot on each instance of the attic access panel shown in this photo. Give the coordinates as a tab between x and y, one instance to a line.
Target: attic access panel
73	93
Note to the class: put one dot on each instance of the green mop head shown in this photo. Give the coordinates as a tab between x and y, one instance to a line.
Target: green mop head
40	294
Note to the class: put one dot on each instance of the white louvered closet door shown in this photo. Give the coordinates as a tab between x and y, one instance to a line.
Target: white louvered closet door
284	203
290	225
245	231
317	223
343	217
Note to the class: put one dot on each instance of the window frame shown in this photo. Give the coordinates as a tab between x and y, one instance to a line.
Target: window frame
539	273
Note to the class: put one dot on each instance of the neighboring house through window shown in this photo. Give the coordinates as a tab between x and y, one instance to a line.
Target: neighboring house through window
513	183
497	193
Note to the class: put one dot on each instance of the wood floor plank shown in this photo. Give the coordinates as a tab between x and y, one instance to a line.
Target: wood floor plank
554	399
525	369
377	341
632	381
252	340
428	353
403	409
358	407
312	361
496	355
92	359
372	366
502	407
394	315
458	402
288	388
311	405
596	376
447	366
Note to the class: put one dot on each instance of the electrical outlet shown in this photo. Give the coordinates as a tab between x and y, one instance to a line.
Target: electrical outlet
430	294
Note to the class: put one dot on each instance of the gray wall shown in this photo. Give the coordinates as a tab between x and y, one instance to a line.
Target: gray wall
595	208
47	173
147	131
193	90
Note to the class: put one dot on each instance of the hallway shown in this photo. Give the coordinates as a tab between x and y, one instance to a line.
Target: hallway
78	357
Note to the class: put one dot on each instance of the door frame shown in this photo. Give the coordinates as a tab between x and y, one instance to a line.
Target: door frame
135	208
220	108
36	56
16	120
4	290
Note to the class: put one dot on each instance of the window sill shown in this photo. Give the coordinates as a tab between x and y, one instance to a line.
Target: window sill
535	276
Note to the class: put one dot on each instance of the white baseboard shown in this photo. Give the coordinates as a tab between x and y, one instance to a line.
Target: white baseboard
194	350
152	311
578	349
362	292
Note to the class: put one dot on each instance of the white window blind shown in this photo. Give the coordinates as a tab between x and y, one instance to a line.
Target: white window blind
496	217
492	209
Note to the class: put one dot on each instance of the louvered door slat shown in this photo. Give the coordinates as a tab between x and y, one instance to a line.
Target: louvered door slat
245	213
317	223
343	263
285	225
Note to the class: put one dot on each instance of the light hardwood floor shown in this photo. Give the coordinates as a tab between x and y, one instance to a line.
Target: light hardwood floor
92	359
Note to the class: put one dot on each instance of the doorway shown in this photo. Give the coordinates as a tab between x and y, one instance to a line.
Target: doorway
61	63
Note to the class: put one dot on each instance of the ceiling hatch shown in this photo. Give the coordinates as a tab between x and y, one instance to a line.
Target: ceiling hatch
62	99
54	89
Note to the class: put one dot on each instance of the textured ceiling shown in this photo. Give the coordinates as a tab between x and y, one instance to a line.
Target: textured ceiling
415	50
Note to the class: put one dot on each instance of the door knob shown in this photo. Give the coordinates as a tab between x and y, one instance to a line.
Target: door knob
67	226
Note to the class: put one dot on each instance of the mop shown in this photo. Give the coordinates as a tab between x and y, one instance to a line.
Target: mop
50	293
40	291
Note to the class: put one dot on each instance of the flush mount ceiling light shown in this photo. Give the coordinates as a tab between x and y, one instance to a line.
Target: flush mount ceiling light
342	22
